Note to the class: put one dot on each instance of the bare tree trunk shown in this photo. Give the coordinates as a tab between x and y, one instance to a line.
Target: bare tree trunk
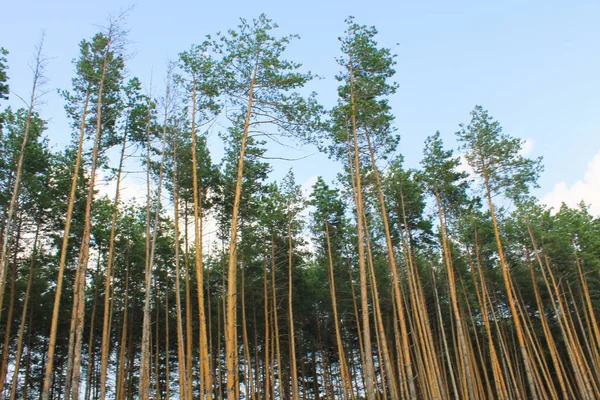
276	321
145	367
21	334
145	357
346	381
48	375
188	308
267	387
294	370
91	358
11	307
444	341
387	370
108	282
205	370
181	358
121	366
249	382
38	79
499	380
167	369
460	329
369	369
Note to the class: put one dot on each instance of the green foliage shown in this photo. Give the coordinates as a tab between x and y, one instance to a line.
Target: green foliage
440	174
199	81
3	75
100	57
365	86
35	159
252	55
406	194
496	156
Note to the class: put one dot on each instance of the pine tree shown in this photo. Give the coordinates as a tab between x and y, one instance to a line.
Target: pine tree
256	81
496	158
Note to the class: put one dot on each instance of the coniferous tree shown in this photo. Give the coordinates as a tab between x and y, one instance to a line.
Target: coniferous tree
495	157
256	80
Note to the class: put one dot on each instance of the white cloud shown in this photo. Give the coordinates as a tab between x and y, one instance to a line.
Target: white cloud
527	147
131	189
586	189
464	166
307	186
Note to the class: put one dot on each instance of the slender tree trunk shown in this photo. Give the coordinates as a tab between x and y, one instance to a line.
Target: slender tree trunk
529	368
205	370
294	370
580	369
91	358
145	367
394	271
593	322
48	374
267	386
460	329
499	381
387	370
188	307
84	253
249	381
157	386
276	321
231	314
145	357
457	393
38	75
11	307
346	381
181	358
167	361
121	366
369	369
21	334
108	282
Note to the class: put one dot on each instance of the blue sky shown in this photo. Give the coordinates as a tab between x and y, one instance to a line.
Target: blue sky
534	65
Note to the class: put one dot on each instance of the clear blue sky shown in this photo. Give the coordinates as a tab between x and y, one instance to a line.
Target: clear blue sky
535	65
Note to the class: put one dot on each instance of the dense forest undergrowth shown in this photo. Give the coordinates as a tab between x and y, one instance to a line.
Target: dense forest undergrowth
389	283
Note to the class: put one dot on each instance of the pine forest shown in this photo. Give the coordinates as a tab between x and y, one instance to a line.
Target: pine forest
446	280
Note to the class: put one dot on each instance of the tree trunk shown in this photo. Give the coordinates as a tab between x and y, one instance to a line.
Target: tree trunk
346	381
529	368
21	334
181	358
294	370
37	76
84	253
460	329
48	374
231	314
108	282
205	370
267	386
91	358
369	369
11	307
249	381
